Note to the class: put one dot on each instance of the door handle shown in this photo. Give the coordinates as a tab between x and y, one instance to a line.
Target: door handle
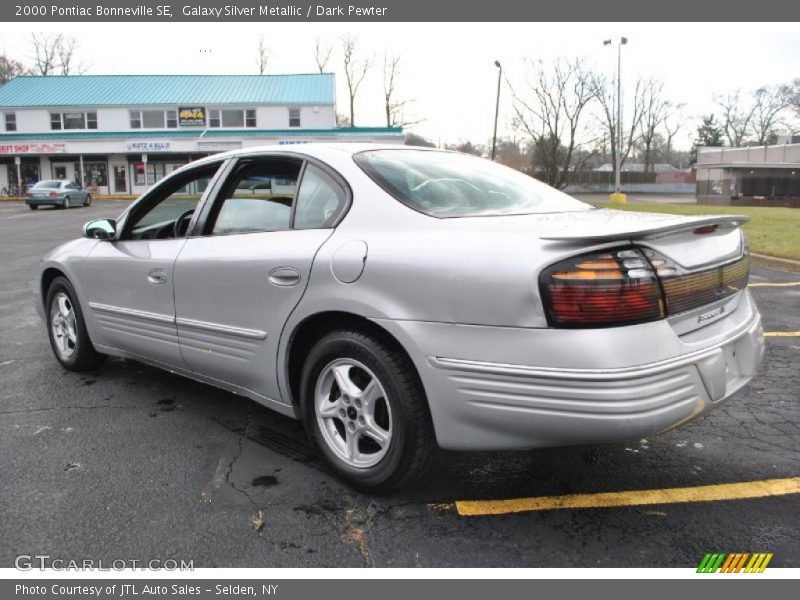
284	276
157	276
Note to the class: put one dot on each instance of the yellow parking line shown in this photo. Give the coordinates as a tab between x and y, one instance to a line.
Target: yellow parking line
782	284
703	493
782	334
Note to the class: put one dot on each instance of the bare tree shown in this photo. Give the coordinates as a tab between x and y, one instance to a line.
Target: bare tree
54	54
10	68
604	90
45	48
769	103
322	54
673	122
654	112
393	107
550	112
354	72
263	54
736	118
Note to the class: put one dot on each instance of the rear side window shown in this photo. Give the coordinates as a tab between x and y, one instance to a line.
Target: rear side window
448	184
259	198
320	200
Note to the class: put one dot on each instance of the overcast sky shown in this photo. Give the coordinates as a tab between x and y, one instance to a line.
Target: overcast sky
448	69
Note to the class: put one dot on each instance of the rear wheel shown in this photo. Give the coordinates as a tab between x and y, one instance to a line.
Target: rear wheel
365	409
33	206
88	200
67	329
65	204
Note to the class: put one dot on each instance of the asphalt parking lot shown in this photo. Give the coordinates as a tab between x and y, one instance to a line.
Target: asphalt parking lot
130	462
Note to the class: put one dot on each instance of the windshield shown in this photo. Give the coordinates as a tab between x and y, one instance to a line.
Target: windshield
54	184
447	184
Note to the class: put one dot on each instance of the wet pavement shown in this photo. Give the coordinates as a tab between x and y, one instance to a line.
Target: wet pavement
131	462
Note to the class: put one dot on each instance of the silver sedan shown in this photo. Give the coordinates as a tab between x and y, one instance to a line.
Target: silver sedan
59	193
397	299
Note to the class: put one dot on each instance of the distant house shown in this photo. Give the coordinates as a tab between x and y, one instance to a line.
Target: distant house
119	134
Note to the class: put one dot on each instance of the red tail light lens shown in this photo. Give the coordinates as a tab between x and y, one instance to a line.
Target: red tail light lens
53	194
631	285
610	288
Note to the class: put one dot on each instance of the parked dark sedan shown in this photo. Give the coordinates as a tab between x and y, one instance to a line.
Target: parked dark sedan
57	192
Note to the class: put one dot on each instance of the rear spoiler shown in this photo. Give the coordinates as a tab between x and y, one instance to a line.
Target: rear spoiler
687	224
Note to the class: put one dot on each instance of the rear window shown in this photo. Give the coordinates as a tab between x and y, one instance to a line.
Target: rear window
447	184
53	184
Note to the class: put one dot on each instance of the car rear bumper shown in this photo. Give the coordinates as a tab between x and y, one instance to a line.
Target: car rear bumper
44	201
487	405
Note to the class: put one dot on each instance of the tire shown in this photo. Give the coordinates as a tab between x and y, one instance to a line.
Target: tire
33	206
88	200
395	409
68	336
65	203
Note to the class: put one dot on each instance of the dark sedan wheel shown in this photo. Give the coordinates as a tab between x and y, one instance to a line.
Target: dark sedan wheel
67	329
88	200
33	206
365	409
65	204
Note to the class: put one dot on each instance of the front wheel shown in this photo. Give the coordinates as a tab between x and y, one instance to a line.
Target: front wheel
33	206
67	329
366	410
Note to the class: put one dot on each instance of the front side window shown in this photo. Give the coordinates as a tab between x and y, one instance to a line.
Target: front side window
320	200
294	117
169	209
11	121
259	198
448	184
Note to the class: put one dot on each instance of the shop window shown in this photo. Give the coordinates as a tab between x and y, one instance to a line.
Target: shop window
73	120
232	117
95	174
294	117
153	119
155	173
11	121
172	119
136	119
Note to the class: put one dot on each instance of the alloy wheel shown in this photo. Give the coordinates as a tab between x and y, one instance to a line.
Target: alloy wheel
353	413
62	324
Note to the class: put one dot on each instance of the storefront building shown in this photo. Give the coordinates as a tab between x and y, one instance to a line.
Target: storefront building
119	134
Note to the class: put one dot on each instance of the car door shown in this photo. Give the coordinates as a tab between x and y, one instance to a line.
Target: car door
240	277
129	279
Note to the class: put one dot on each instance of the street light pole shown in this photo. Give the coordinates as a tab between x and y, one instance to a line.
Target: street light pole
617	154
497	106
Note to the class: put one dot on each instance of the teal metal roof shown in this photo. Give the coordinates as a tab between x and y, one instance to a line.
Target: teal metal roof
184	90
200	134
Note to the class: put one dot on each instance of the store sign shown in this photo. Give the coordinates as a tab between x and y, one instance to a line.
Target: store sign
191	117
148	146
33	148
218	146
292	142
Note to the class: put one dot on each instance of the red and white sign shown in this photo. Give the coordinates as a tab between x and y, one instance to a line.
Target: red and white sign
33	148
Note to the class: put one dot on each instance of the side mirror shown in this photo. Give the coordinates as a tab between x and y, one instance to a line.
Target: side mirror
100	229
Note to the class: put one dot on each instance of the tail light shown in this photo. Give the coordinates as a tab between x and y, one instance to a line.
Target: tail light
53	194
610	288
631	285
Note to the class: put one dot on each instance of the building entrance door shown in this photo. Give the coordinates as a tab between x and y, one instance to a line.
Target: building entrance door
119	172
